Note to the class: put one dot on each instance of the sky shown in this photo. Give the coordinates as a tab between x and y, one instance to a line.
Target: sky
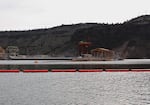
35	14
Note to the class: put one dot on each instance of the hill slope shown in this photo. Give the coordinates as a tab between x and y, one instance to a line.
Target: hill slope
131	38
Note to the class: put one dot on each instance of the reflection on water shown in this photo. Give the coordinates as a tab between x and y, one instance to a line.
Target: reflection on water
75	89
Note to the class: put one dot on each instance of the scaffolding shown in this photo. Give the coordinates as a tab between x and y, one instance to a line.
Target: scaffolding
102	53
12	50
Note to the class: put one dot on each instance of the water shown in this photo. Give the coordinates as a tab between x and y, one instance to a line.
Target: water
75	88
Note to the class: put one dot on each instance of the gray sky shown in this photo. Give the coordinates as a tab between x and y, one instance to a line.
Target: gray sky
33	14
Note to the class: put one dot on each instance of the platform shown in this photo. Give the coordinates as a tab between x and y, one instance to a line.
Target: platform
126	63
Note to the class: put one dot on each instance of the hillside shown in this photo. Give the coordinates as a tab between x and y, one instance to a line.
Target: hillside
131	38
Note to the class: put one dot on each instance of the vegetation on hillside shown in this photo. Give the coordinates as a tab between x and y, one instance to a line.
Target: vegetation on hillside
131	38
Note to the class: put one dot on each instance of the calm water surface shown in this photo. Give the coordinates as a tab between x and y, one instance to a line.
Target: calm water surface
75	89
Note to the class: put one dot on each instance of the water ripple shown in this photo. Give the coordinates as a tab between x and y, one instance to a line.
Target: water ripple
75	89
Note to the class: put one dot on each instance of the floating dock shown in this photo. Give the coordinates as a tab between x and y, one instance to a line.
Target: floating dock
75	66
70	62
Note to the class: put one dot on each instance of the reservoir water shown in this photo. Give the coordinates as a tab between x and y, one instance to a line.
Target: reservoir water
104	88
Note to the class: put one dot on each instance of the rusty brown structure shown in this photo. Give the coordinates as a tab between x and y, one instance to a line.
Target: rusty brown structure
102	54
2	53
84	47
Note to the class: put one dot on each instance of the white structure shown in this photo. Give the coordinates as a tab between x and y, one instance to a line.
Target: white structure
12	50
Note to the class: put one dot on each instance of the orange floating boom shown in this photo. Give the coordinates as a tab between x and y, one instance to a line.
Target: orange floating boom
11	71
90	70
27	71
117	70
140	70
63	70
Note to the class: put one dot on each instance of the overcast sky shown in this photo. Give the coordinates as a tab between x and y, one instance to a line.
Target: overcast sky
33	14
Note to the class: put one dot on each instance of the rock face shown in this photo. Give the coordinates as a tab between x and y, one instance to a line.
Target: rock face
131	39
